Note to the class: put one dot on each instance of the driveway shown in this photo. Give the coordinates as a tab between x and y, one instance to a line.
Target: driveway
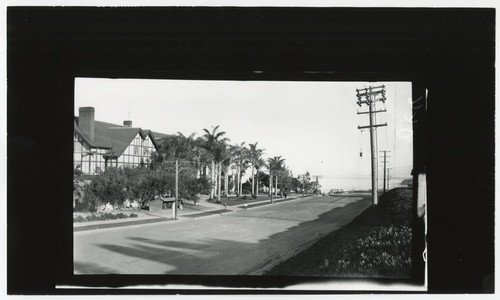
245	242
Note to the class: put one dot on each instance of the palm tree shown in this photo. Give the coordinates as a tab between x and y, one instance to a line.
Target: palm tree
199	156
229	164
254	154
275	165
168	148
258	165
241	162
212	139
220	153
185	146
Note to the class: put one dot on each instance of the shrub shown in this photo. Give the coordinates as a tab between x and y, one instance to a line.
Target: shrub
144	184
103	217
77	172
189	187
246	187
78	219
108	186
114	185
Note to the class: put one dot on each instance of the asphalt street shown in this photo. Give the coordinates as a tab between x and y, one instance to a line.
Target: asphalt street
244	242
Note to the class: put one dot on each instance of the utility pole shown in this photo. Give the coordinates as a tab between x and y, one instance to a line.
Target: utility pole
388	169
372	95
385	164
304	178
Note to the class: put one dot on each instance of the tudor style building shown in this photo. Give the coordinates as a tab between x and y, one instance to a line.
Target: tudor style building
98	145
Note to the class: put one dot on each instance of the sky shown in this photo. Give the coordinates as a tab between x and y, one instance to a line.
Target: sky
312	125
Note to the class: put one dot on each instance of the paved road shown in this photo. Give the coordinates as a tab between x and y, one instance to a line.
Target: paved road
245	242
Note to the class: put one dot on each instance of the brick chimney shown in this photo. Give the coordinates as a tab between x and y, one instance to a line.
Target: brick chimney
86	121
127	123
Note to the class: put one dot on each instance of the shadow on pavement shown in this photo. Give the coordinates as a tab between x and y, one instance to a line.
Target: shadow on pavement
91	268
221	256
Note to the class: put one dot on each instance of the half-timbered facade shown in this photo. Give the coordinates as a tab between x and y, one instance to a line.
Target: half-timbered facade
97	145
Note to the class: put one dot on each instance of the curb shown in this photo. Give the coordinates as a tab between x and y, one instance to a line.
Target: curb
267	202
207	214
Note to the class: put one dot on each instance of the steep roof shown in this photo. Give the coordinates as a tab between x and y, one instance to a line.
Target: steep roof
114	137
101	138
159	135
121	137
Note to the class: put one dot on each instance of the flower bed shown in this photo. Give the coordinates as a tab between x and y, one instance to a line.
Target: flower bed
103	217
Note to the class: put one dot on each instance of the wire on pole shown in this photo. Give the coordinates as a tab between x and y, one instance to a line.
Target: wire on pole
369	96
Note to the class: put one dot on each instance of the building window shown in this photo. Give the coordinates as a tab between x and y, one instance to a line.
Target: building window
136	150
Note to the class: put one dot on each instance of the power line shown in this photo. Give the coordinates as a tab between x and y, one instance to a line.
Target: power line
350	100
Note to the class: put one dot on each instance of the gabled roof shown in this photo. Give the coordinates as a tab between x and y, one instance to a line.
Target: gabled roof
114	137
101	136
121	137
159	135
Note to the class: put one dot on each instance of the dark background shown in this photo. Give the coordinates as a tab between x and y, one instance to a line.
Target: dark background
448	51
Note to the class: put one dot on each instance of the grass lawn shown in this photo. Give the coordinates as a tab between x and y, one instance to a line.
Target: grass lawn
377	243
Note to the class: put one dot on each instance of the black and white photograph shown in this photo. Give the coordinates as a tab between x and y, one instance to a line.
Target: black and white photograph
250	149
243	178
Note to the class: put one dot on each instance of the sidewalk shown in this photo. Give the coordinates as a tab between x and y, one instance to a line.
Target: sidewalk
202	208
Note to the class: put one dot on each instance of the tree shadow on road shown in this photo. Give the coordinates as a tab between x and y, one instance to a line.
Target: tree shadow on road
91	268
211	257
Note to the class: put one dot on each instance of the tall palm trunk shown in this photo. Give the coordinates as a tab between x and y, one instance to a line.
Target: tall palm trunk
241	184
212	182
271	187
276	190
257	184
226	181
233	180
217	179
215	182
198	168
219	182
253	179
239	179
